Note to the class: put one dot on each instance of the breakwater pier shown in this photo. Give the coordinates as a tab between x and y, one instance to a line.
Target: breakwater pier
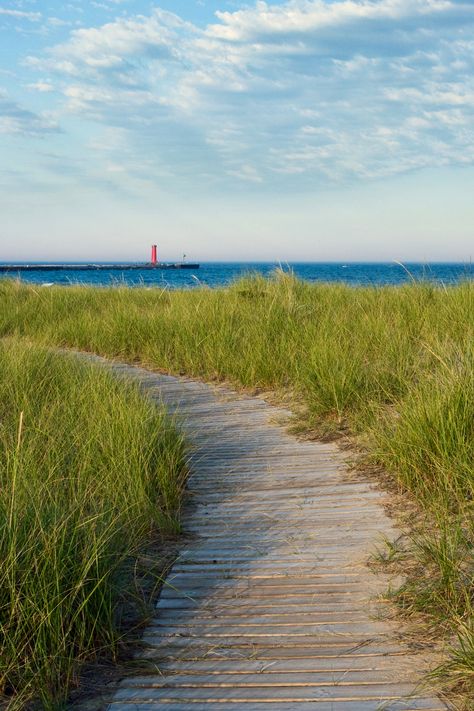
93	267
13	268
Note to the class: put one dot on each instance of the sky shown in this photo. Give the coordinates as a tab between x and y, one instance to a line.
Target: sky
285	130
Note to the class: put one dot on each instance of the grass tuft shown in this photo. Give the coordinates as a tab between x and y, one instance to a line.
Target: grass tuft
89	470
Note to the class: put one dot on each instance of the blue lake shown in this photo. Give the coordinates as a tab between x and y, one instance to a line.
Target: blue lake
214	274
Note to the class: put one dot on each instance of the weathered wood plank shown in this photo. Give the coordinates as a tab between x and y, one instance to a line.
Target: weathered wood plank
322	705
336	664
336	693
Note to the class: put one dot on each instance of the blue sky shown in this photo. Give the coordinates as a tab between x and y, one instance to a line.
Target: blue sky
290	130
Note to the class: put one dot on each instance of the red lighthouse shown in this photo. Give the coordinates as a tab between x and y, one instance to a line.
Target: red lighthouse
154	258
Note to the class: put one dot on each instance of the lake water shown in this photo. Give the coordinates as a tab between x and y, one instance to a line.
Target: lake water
214	274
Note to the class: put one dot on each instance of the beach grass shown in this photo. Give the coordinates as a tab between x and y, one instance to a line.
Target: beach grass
90	472
391	366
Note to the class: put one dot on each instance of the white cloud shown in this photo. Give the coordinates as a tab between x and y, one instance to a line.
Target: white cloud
15	119
305	16
58	22
41	86
20	15
305	91
246	172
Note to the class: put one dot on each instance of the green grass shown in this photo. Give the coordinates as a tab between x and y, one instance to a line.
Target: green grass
393	366
89	472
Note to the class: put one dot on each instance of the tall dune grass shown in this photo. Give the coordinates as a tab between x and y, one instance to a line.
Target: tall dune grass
393	365
89	469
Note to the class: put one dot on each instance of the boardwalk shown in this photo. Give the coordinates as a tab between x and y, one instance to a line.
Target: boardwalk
270	607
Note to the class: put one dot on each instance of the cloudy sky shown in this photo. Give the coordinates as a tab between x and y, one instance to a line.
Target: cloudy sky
280	130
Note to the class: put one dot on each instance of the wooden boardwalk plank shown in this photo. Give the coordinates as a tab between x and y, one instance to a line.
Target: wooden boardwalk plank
271	606
425	704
